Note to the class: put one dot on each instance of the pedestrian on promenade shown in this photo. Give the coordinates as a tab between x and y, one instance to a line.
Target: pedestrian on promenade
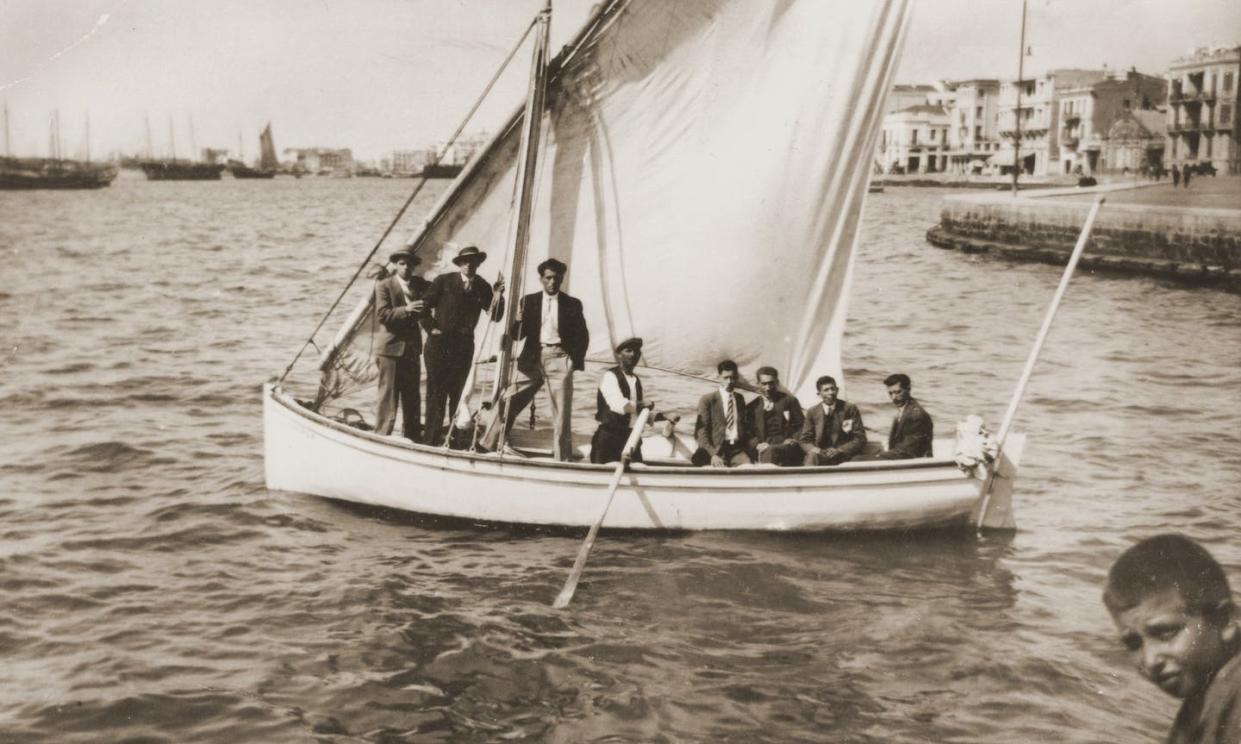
1185	174
1176	176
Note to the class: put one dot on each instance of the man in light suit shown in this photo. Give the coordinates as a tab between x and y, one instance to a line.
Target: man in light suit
398	342
723	425
453	303
833	432
556	336
776	418
912	428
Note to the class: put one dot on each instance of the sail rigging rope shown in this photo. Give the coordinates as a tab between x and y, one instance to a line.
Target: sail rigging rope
417	190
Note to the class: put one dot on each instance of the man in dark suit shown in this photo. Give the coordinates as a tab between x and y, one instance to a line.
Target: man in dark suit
453	303
723	425
556	337
833	432
776	418
398	342
912	429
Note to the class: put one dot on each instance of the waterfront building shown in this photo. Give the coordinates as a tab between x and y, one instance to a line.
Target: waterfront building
1040	151
322	159
972	134
1202	109
915	140
1134	142
1087	112
410	162
902	97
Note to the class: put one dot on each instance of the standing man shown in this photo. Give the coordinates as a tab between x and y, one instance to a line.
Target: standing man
777	419
616	405
398	342
723	427
453	301
912	429
833	432
554	329
1186	172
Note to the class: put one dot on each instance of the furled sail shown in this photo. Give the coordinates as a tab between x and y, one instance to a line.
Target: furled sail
703	172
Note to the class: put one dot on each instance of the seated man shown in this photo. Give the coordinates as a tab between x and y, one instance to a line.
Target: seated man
617	404
1174	611
776	418
833	432
912	429
723	427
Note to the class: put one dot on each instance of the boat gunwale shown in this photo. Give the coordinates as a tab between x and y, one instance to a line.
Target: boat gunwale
279	395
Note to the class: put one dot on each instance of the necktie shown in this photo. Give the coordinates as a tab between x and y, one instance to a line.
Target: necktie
730	418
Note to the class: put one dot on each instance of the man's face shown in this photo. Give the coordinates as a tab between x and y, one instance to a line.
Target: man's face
551	281
728	379
404	268
898	394
629	357
767	385
1174	649
469	268
827	394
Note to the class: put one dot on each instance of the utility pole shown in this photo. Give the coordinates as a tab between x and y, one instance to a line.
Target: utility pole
1021	83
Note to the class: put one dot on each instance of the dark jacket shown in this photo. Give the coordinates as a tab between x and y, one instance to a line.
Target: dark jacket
574	337
823	431
396	333
910	436
787	407
709	428
452	309
605	415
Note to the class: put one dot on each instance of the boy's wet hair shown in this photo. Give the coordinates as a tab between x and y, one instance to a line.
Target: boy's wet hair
1163	563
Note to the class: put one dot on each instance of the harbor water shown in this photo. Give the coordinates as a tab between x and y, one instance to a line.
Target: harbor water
153	590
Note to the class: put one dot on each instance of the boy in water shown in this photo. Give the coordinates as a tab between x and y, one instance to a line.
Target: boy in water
1172	605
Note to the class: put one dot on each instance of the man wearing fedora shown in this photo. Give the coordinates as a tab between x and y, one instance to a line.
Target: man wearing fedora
554	329
453	303
398	343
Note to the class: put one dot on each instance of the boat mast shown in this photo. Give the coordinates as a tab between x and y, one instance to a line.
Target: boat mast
88	136
150	150
525	199
172	139
8	148
1021	59
193	141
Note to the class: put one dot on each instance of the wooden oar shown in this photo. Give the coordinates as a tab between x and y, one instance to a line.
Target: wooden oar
570	586
1030	360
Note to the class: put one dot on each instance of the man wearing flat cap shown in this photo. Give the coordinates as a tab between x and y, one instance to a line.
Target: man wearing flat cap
454	301
398	342
554	329
617	404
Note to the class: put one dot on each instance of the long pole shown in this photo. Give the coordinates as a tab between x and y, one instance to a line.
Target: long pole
146	118
88	136
1021	83
8	148
525	201
193	140
1013	404
579	565
172	139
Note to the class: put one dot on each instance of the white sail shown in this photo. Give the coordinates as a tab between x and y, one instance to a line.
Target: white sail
703	174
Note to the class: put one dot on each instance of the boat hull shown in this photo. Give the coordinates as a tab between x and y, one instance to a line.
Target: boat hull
182	171
309	453
24	174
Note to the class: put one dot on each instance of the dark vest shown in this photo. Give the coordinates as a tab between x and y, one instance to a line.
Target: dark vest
774	425
605	415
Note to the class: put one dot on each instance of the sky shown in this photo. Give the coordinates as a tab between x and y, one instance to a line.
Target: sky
379	75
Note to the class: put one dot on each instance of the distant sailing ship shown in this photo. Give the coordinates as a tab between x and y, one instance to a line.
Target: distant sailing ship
442	170
267	164
172	169
54	172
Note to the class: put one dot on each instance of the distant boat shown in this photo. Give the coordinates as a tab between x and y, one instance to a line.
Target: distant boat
181	170
54	172
48	173
441	170
267	165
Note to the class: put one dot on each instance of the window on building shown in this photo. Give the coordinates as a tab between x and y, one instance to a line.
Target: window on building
1227	86
1206	147
978	132
1225	114
931	135
1125	103
915	137
978	111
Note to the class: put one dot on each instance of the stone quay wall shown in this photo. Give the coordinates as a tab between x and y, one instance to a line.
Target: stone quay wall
1200	246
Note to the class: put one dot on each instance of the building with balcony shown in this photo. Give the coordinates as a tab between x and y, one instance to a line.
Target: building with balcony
1039	119
1202	109
1088	111
972	134
915	140
1134	142
322	160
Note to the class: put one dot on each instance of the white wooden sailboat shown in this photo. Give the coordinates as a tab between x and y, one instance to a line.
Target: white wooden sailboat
623	163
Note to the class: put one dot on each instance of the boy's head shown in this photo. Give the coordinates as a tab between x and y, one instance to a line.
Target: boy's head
1173	609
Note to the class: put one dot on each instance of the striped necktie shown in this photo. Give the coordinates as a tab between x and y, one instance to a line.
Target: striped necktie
730	417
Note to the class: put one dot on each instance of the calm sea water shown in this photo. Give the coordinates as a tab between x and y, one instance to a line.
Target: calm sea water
152	590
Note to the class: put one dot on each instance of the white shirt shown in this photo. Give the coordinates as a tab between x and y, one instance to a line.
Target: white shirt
827	410
613	396
549	331
730	432
404	288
